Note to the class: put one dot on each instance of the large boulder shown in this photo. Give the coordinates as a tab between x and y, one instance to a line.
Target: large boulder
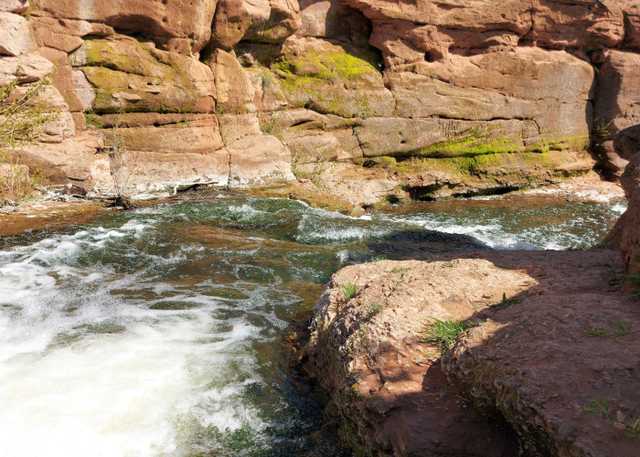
625	235
429	30
549	344
367	349
546	89
561	362
268	21
331	79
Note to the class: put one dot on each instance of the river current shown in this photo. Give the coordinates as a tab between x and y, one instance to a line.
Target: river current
160	332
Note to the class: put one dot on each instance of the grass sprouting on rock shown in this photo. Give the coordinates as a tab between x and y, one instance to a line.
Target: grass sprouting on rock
632	429
349	290
373	310
615	329
598	407
445	333
602	408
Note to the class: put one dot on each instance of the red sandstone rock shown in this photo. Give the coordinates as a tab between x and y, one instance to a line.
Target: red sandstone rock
16	38
384	381
269	21
14	6
617	110
450	67
161	21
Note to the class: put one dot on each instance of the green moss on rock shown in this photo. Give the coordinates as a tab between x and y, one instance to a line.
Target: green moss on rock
561	143
471	146
318	79
327	65
129	76
126	56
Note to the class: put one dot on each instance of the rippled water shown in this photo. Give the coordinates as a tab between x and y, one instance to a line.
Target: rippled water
159	332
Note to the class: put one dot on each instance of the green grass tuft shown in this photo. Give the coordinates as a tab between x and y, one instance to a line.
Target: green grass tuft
373	310
445	333
632	429
349	291
599	408
616	329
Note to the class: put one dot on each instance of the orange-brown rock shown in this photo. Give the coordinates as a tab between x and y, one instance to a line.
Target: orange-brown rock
337	84
560	361
165	22
269	21
367	350
617	109
626	235
16	38
552	348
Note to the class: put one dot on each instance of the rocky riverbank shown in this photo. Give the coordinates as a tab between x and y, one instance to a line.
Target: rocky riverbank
541	354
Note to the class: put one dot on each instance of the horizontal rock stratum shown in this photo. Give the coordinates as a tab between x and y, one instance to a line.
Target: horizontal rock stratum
368	99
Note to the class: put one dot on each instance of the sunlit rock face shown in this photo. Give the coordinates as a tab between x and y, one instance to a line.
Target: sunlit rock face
388	99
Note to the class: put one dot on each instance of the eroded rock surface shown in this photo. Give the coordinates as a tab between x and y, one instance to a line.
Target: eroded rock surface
402	101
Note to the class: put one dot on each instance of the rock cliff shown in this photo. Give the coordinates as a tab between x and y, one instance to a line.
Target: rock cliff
366	99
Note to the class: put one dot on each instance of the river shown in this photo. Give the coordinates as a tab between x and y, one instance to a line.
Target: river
160	332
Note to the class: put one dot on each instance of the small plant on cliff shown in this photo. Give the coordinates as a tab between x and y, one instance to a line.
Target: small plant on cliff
632	429
119	166
601	130
22	119
445	333
373	310
598	407
21	116
349	290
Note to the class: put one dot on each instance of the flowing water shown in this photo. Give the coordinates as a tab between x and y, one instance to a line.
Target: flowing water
159	332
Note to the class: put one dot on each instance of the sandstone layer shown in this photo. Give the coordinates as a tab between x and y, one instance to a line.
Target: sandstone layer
548	367
369	100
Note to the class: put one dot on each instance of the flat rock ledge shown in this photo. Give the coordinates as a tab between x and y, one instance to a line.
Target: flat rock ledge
550	365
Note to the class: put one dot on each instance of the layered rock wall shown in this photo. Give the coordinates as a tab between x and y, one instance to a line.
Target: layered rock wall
367	99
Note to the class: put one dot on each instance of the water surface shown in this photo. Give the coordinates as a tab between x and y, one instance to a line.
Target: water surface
159	332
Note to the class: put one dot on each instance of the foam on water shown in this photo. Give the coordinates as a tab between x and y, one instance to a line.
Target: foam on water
84	371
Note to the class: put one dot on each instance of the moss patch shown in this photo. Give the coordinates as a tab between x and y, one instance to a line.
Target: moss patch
471	145
131	77
317	80
475	165
125	56
561	143
328	65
